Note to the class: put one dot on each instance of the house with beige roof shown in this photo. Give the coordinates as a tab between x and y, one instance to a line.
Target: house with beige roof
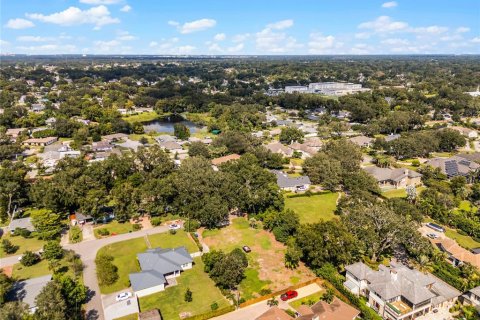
398	292
362	141
466	132
336	310
457	255
394	178
277	147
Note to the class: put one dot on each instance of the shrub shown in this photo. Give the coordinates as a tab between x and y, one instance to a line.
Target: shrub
415	163
191	225
188	295
103	232
75	234
8	246
29	258
52	250
173	231
22	232
265	291
214	306
136	227
156	221
107	272
211	314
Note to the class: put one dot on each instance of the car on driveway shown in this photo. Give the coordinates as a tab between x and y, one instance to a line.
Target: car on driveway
123	296
174	226
246	249
432	236
290	294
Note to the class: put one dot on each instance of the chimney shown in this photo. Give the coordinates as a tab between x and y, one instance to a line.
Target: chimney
394	275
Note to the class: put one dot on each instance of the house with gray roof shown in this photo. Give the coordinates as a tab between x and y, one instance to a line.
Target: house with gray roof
392	137
455	166
362	141
27	290
398	292
389	178
472	297
158	265
293	184
22	223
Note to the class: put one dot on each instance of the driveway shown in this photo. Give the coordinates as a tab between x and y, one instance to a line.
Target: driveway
255	310
116	309
88	251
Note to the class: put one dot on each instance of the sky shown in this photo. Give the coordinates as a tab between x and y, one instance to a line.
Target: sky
243	27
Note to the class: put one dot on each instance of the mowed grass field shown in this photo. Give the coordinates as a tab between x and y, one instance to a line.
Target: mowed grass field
125	254
265	262
465	241
171	302
29	244
314	208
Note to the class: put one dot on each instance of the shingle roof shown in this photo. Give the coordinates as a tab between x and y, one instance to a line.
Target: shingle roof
28	290
385	174
23	223
146	279
454	166
224	159
284	181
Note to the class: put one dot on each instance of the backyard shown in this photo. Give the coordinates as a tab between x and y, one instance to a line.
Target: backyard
266	270
399	193
313	208
125	254
24	244
308	300
171	302
463	240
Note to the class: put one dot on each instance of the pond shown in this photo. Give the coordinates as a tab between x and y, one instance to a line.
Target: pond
165	124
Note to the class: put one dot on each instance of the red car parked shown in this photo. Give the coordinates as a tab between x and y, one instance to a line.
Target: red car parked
289	295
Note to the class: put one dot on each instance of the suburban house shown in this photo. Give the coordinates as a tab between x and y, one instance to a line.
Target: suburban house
274	313
472	297
27	290
294	184
22	223
394	178
336	310
398	292
302	148
277	147
101	146
80	218
41	142
392	137
50	121
15	132
37	107
158	265
362	141
171	146
456	254
454	166
225	159
115	137
466	132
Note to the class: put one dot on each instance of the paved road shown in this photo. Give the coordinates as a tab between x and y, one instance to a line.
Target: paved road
255	310
9	261
87	251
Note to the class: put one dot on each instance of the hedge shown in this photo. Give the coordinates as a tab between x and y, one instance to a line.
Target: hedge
307	194
211	314
329	273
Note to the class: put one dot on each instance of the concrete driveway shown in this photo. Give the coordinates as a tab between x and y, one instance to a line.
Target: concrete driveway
253	311
115	309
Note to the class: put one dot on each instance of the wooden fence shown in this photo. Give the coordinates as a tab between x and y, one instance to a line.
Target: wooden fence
274	294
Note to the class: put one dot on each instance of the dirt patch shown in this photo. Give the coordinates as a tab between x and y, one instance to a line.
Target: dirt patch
267	255
8	270
143	221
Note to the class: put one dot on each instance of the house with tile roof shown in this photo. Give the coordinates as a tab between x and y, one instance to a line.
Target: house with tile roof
336	310
274	313
456	254
398	292
158	266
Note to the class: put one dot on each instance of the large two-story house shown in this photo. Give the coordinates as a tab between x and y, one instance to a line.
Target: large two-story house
398	292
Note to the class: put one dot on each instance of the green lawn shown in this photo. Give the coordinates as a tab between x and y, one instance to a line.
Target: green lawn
30	244
467	206
252	284
315	297
21	272
133	316
314	208
171	301
142	117
167	240
114	227
399	193
125	255
137	137
465	241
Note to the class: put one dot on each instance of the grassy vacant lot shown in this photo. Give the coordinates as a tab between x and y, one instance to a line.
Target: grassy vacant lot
313	208
125	254
171	301
315	297
30	244
266	269
465	241
114	227
399	193
142	117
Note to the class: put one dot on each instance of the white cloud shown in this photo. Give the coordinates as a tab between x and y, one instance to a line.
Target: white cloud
219	37
193	26
215	47
435	30
185	49
19	23
270	40
34	39
475	40
236	48
98	16
124	36
126	8
320	44
240	37
390	4
280	25
153	44
48	49
462	29
384	24
97	2
169	46
396	42
4	43
360	48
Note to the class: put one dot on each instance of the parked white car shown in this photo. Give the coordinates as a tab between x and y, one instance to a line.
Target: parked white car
174	226
123	296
